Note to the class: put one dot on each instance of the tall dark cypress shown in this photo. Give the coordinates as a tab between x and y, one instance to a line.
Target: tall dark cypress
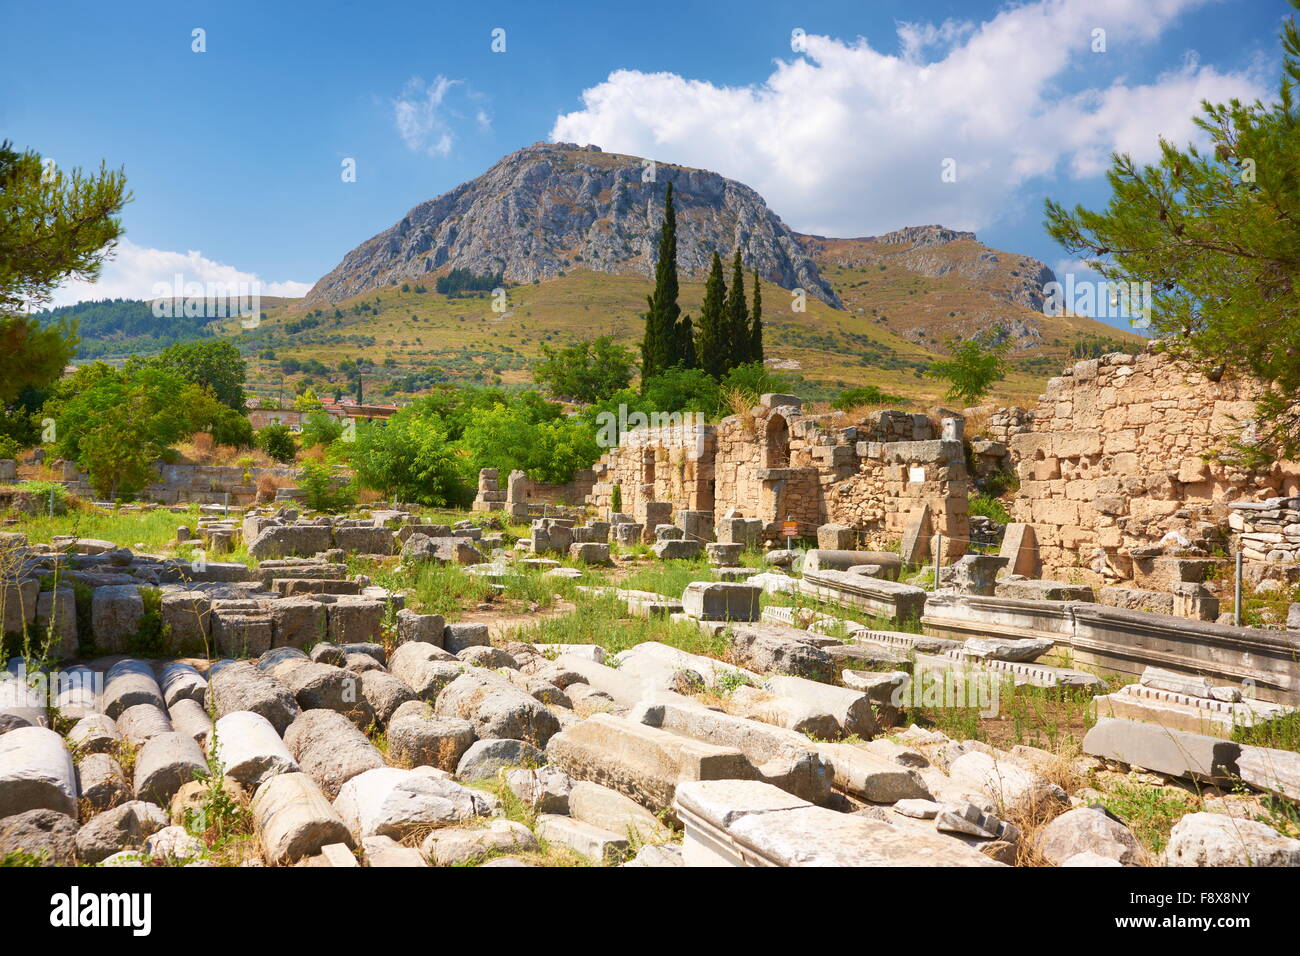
686	343
711	341
737	322
756	324
661	346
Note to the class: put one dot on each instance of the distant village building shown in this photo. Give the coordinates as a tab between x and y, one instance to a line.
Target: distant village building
343	409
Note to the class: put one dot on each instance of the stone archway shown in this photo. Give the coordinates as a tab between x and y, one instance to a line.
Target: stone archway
776	443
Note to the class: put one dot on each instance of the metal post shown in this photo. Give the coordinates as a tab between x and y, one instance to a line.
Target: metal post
51	502
938	552
1236	593
226	512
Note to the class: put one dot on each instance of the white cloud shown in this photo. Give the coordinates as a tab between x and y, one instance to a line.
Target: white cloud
426	116
848	140
134	272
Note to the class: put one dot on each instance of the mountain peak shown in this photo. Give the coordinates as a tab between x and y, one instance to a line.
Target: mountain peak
553	207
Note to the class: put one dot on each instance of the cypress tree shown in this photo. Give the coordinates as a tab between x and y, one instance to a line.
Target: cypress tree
756	324
711	343
686	344
737	337
661	345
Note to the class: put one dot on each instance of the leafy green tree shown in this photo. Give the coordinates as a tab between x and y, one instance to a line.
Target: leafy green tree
1217	234
976	365
306	401
752	380
115	424
321	489
53	226
586	371
277	441
551	451
215	365
320	428
410	458
712	340
737	321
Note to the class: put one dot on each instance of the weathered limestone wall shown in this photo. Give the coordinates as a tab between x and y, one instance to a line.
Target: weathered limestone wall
777	464
672	463
1115	462
201	484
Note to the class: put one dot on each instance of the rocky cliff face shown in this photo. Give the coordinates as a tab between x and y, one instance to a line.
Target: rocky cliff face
553	207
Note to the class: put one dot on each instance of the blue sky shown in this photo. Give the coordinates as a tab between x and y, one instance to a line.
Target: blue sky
234	154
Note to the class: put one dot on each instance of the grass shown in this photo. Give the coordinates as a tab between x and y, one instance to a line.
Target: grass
155	530
604	620
989	507
1281	733
1150	812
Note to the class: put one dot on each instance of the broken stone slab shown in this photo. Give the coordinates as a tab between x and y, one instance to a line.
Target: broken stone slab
1162	679
1174	753
641	761
655	663
544	789
1273	771
421	628
297	622
391	802
871	777
967	819
166	763
249	748
583	838
1021	650
798	715
116	613
748	823
1010	786
841	559
457	637
330	749
778	755
721	601
1088	830
36	773
496	708
776	649
678	550
459	846
1216	839
851	709
485	759
881	596
293	819
610	810
1034	589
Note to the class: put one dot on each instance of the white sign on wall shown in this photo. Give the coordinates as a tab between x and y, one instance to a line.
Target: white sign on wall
916	474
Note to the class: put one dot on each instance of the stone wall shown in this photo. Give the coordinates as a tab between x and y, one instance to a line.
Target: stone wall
1115	468
776	464
201	484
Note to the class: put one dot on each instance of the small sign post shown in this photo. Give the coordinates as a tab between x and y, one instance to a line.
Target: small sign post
789	530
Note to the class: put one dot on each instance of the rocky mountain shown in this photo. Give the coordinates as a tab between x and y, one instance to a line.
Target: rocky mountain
974	286
556	207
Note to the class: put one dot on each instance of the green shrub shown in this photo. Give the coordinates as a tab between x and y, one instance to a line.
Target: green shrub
277	441
983	504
